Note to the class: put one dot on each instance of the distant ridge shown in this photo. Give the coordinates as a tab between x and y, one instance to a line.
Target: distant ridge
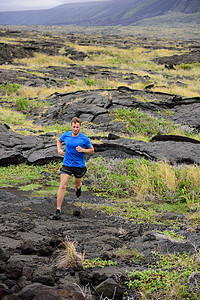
101	13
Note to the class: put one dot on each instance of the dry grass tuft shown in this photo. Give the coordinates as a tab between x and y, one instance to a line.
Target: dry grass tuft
42	61
167	173
69	258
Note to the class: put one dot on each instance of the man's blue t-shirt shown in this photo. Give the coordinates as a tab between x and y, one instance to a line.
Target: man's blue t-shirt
72	157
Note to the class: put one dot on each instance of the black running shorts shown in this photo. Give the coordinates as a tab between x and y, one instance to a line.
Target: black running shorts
76	171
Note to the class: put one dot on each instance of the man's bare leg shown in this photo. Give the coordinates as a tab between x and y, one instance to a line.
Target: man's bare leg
64	178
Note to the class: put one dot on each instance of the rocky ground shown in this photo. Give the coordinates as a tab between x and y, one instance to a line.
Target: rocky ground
31	243
30	240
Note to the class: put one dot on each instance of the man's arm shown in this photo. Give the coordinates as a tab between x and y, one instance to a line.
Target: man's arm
89	150
59	145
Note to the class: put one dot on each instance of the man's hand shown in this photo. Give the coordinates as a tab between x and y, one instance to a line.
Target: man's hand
89	150
59	145
80	149
61	152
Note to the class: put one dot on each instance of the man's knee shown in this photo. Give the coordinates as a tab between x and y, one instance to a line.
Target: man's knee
63	186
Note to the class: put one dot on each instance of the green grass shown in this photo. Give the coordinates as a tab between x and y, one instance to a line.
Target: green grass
142	178
11	117
90	82
9	88
30	187
22	104
97	262
17	120
140	123
31	178
132	254
20	173
167	278
47	190
172	234
141	190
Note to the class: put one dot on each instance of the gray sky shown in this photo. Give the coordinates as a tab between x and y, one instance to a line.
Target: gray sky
14	5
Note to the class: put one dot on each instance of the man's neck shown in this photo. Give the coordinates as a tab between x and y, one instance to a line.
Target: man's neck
75	135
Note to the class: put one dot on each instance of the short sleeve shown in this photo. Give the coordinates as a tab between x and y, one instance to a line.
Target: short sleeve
63	136
87	142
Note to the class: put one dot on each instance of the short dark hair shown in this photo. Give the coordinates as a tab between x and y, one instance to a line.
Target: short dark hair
76	120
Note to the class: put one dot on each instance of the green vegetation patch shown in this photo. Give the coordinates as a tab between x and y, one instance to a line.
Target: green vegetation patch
172	234
26	105
22	104
9	88
137	8
132	254
97	262
30	187
167	278
142	178
11	117
141	190
40	179
20	173
90	81
138	122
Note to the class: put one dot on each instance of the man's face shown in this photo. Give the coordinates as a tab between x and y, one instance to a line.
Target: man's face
75	128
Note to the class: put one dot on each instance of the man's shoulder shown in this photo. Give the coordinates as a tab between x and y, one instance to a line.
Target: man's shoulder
83	135
66	134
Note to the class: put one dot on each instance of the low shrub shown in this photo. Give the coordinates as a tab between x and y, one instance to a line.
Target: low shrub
9	88
90	82
145	179
22	103
167	279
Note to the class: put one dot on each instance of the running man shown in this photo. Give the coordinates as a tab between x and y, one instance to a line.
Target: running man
76	145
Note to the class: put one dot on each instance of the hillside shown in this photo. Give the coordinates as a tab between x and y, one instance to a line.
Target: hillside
114	12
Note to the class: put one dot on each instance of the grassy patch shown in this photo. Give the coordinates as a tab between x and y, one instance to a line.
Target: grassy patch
172	234
41	61
17	120
97	262
141	190
31	178
138	122
30	187
27	105
9	88
22	104
143	179
168	278
38	180
11	117
132	254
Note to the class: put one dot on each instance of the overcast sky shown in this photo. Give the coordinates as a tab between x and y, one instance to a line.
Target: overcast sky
14	5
